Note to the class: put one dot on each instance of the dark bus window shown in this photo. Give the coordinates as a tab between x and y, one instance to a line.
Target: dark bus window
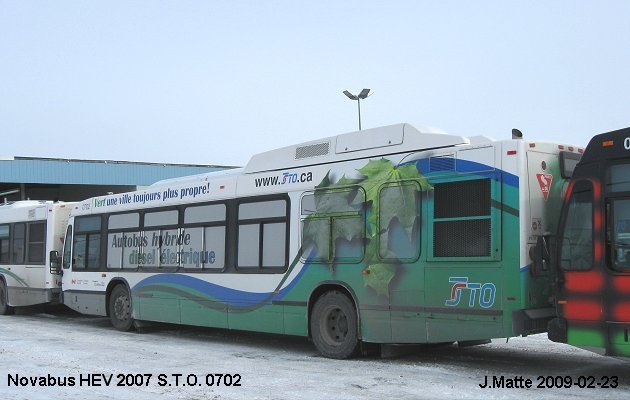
4	244
67	248
19	236
576	242
618	178
36	244
620	234
87	243
568	161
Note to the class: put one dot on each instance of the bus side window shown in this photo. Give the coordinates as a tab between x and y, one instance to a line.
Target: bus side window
67	248
19	239
398	221
4	243
87	243
576	251
262	234
620	234
333	225
36	243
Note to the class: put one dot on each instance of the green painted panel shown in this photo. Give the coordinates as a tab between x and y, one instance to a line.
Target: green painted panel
376	326
266	319
201	313
158	309
295	321
449	330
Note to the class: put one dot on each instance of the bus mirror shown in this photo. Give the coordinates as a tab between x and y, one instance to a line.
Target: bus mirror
542	256
55	263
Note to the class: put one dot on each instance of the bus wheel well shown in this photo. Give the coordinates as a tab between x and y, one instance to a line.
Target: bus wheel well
112	284
325	288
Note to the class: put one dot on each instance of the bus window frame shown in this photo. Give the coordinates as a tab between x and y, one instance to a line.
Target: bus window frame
142	230
206	224
99	266
418	223
8	240
105	237
286	219
330	217
67	243
28	243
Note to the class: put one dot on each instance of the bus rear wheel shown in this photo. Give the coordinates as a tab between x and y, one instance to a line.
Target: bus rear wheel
5	308
334	326
120	308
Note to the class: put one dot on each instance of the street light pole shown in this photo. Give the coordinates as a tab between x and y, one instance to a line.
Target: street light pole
359	105
364	94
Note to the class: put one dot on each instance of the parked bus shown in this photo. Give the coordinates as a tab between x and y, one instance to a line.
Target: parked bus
29	230
593	250
387	235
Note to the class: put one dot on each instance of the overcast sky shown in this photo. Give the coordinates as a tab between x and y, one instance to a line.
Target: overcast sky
214	82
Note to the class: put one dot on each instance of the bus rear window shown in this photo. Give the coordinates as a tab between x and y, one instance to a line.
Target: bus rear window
568	161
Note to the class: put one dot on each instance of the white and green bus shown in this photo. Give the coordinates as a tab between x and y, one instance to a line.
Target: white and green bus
29	231
387	235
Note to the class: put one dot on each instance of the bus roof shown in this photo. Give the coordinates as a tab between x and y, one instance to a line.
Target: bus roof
609	145
380	141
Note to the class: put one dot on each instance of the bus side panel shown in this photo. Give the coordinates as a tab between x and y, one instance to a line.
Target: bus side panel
163	307
203	313
268	319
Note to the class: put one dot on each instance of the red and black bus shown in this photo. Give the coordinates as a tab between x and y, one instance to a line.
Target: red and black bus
593	250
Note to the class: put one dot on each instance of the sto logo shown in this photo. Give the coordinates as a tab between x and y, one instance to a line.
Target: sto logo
481	293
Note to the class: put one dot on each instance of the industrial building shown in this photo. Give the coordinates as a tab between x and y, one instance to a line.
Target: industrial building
58	179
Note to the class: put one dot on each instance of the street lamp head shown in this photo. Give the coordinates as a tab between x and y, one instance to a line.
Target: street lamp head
350	95
365	93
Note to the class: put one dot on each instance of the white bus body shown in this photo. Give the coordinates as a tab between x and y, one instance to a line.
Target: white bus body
29	231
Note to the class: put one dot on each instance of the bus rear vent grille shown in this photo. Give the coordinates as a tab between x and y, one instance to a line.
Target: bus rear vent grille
465	238
312	150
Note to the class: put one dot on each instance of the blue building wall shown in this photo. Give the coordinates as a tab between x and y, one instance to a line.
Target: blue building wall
86	172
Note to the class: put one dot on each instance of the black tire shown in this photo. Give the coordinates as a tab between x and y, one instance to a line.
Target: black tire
120	308
334	326
5	308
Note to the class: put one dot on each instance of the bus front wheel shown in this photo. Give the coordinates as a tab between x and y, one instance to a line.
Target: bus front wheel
5	308
120	308
334	327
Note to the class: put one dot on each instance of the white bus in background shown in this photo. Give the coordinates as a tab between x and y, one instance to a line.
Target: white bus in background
29	231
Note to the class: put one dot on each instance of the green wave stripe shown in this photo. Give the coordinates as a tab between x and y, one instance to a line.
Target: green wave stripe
216	304
14	276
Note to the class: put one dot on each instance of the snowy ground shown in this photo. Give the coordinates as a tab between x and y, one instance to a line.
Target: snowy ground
62	345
